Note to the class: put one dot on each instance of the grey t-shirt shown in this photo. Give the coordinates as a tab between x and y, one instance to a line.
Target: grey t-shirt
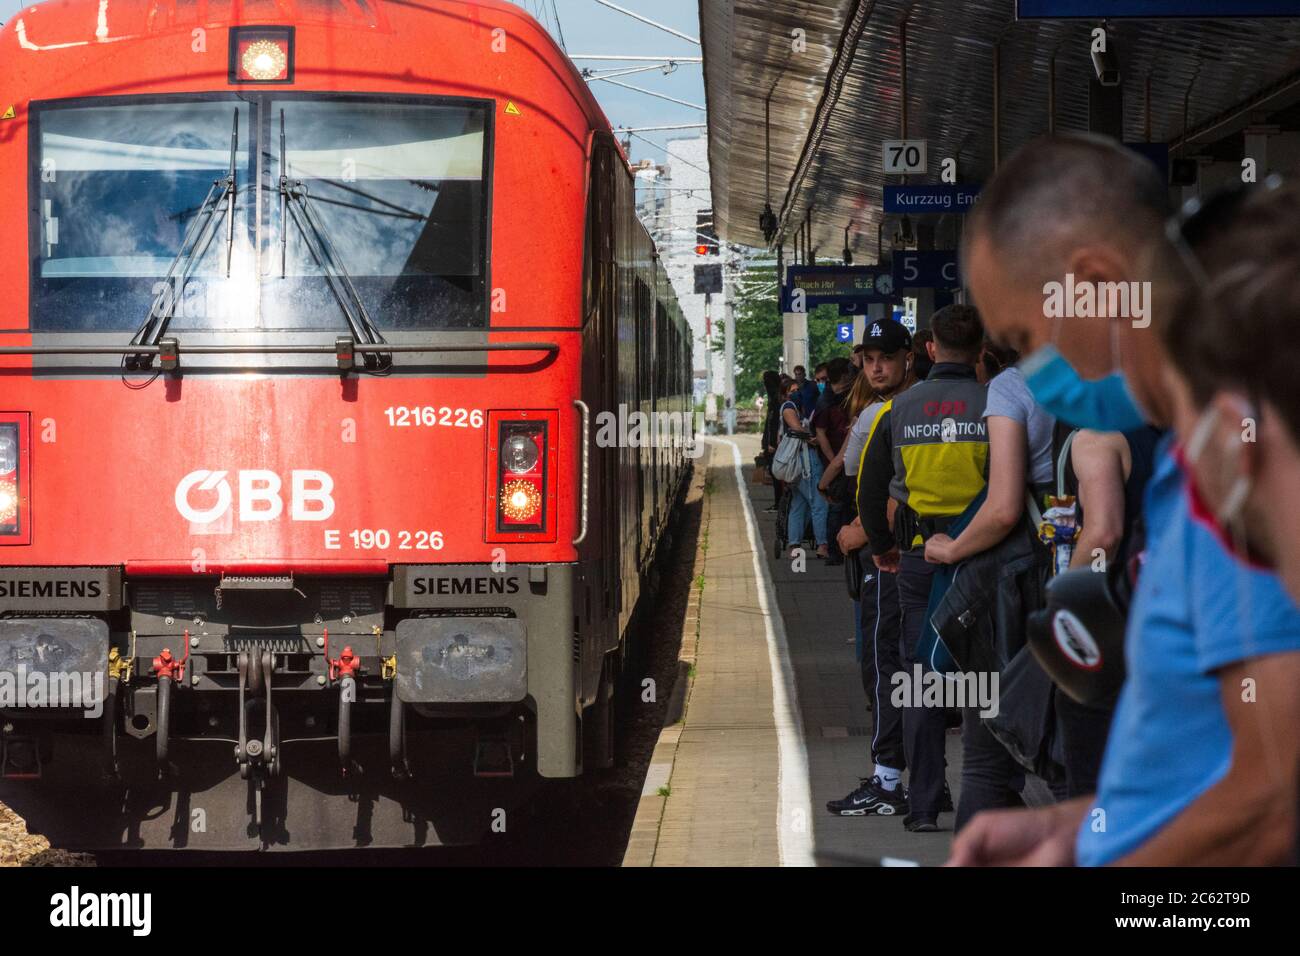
1010	397
857	439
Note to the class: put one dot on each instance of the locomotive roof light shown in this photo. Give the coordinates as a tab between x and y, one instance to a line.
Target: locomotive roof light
261	54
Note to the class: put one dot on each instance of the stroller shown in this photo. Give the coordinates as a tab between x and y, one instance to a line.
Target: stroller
783	519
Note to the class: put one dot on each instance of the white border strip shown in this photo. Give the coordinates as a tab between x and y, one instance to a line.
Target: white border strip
794	804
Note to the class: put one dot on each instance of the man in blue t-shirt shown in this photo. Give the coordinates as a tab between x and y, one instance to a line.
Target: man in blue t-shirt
1200	764
1200	625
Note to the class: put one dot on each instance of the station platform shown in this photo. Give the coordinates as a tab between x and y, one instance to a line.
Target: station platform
773	720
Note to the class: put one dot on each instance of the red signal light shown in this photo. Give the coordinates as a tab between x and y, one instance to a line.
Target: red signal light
15	522
8	505
521	502
521	491
521	475
701	250
261	54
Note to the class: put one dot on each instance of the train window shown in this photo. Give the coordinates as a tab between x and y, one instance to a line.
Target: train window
398	189
118	187
393	194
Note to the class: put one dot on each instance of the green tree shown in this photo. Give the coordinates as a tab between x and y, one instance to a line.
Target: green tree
759	340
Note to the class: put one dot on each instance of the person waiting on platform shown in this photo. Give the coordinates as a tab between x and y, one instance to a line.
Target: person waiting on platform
1107	473
805	500
1020	458
887	371
830	426
929	452
773	383
1195	771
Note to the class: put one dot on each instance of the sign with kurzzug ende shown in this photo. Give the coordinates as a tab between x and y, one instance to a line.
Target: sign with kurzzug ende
935	198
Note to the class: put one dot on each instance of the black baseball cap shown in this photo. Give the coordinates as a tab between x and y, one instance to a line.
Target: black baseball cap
886	335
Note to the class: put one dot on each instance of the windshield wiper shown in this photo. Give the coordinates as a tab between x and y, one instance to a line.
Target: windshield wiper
295	200
198	236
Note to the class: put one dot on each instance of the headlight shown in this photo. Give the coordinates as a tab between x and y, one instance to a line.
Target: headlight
8	454
519	454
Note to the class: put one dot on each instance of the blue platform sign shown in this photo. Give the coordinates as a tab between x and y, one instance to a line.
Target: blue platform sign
1154	9
927	269
849	287
844	332
936	199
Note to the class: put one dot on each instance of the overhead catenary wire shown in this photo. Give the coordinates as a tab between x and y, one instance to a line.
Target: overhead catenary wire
667	67
638	58
662	96
654	23
658	129
684	215
668	153
559	27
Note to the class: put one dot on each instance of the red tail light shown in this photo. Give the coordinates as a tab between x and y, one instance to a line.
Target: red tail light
521	492
15	519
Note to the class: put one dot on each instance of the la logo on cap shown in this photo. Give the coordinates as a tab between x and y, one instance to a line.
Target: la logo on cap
876	330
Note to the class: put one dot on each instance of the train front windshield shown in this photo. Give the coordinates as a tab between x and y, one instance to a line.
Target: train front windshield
386	195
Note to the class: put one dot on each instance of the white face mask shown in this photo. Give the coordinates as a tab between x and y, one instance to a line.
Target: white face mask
1230	511
1226	520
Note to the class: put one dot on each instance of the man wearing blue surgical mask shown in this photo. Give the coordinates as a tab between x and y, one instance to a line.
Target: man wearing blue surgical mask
1200	764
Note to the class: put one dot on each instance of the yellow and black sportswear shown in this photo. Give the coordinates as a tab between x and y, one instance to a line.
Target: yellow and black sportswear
929	450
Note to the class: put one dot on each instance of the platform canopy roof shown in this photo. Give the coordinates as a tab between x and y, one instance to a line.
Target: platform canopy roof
797	119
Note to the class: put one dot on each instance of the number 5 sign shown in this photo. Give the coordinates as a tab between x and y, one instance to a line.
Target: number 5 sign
903	157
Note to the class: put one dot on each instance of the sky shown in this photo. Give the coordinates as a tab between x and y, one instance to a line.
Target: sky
589	27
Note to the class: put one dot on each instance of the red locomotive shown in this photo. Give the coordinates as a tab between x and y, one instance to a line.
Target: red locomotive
309	319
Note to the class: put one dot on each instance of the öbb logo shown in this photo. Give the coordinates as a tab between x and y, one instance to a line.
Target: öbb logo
310	497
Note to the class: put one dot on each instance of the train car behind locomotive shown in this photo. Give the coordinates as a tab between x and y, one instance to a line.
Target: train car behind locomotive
306	539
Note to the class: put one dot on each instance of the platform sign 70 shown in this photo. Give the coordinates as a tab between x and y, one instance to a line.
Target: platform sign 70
903	157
